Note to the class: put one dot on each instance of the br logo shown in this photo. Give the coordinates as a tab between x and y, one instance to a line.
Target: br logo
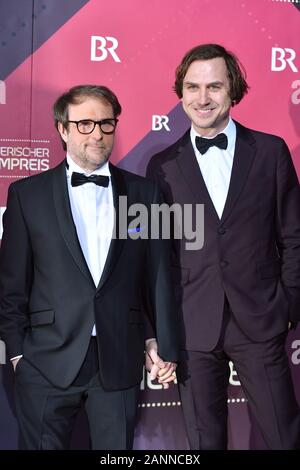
2	92
102	46
160	121
281	57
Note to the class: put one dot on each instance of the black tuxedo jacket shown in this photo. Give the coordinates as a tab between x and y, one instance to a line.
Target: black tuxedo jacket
48	300
252	254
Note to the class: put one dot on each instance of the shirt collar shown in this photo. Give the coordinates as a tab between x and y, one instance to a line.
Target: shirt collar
229	131
72	166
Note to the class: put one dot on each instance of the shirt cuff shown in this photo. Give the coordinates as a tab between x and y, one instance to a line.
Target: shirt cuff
16	357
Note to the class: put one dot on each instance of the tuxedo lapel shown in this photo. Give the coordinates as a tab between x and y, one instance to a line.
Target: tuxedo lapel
116	245
65	219
193	178
243	158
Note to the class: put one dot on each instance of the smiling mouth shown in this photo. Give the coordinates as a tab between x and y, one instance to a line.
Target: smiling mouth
204	111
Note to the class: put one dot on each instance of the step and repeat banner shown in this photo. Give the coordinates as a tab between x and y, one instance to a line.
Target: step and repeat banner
133	47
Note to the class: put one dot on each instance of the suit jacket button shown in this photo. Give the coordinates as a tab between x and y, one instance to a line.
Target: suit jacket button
221	231
224	264
97	296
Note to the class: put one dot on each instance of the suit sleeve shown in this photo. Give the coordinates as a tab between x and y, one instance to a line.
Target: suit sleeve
15	275
288	230
162	296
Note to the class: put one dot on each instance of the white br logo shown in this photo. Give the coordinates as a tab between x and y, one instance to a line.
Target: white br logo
160	121
101	46
2	92
281	58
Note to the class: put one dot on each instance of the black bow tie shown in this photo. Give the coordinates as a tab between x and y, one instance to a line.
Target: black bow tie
78	179
203	144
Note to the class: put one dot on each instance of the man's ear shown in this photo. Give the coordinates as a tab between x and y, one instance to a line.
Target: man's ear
63	132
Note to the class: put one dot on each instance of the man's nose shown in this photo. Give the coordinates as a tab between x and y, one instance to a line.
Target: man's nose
203	96
97	133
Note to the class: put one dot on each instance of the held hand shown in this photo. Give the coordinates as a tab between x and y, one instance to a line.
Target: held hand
163	371
153	362
167	374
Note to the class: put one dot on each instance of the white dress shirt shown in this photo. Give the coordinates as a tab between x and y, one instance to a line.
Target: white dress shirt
216	165
92	209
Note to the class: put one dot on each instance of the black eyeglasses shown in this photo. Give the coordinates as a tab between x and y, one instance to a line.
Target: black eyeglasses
86	126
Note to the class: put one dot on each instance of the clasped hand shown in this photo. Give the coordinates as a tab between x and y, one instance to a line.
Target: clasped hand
163	371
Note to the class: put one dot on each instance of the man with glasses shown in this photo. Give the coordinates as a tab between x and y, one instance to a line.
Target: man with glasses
76	300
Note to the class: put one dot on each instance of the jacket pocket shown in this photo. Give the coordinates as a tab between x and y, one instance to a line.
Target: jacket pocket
269	269
43	317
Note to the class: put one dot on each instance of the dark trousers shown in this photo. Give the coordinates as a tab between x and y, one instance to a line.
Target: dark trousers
46	414
264	373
